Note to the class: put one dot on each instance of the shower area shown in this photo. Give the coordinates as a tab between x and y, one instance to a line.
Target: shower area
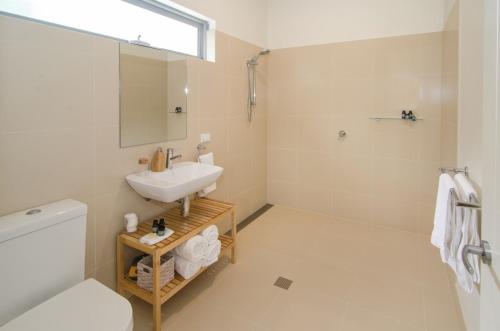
362	178
383	171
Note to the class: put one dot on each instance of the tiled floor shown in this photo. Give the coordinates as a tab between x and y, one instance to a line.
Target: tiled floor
346	277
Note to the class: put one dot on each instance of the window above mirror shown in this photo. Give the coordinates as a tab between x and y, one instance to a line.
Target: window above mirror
162	25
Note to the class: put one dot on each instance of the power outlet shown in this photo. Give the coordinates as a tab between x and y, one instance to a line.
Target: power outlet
204	137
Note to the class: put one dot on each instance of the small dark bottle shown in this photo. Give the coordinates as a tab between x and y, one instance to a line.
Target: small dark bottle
411	116
162	221
403	115
155	226
161	230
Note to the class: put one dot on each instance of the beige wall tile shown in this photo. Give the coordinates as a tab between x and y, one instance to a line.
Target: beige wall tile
349	59
353	174
316	169
351	96
400	213
287	135
352	206
59	130
396	178
238	134
282	192
315	134
282	164
426	217
450	65
39	167
315	198
282	95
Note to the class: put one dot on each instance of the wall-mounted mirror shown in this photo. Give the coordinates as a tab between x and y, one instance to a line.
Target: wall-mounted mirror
153	95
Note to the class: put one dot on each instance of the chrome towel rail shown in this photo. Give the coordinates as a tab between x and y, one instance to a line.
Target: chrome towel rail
483	250
464	170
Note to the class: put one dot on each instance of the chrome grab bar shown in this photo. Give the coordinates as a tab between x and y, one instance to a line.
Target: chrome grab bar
483	251
464	204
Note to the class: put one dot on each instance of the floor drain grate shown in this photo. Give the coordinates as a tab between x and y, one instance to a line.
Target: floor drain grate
283	283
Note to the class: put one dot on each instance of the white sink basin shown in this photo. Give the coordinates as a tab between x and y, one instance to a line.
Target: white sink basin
173	184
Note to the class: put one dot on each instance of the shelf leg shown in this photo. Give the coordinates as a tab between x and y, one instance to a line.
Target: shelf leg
233	235
120	266
156	292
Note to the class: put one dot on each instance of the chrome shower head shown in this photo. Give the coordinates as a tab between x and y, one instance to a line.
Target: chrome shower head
254	59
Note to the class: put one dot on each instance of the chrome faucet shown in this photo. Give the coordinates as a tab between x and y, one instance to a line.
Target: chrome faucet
171	157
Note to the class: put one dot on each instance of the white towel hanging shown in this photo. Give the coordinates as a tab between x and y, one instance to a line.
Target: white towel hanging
469	234
444	217
207	159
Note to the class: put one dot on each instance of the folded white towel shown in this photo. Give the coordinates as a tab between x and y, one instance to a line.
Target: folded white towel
186	268
211	234
152	238
194	249
444	217
207	159
212	254
469	235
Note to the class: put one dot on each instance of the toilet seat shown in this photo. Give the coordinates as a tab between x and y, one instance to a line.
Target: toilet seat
88	306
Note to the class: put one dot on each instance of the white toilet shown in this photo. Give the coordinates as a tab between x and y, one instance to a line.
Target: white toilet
42	252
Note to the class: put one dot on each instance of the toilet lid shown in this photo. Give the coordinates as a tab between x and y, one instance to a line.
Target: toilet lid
88	306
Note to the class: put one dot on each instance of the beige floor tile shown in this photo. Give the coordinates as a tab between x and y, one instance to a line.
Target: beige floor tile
346	276
301	309
207	316
245	290
388	295
359	319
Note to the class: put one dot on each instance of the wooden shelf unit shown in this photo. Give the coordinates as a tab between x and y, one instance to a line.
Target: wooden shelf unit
203	213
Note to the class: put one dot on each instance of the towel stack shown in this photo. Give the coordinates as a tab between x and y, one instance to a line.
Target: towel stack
200	251
189	255
214	245
456	227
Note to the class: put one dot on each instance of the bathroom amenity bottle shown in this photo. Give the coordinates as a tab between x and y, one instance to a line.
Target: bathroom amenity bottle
159	161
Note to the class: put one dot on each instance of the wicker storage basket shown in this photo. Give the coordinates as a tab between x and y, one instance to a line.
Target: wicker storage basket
145	271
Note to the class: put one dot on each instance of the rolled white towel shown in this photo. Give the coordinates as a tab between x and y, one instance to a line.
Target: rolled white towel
212	255
211	234
186	268
194	249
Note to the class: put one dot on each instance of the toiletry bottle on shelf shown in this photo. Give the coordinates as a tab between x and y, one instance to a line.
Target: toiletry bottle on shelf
159	161
411	116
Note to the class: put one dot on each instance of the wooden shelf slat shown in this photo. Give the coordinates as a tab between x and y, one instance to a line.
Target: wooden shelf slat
177	283
203	213
200	217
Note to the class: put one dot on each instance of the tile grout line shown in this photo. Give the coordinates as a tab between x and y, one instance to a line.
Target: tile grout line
259	212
